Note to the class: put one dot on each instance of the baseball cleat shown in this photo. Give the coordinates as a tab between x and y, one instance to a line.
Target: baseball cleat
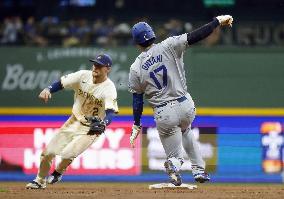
35	185
201	177
175	177
54	177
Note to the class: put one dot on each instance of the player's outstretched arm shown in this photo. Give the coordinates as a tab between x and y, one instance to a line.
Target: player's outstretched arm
204	31
45	94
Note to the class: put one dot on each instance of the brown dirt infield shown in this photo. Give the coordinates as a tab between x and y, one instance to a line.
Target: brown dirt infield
16	190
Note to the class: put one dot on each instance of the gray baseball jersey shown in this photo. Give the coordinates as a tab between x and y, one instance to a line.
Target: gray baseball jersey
159	72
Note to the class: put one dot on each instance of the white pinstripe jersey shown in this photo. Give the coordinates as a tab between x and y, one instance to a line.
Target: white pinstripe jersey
90	99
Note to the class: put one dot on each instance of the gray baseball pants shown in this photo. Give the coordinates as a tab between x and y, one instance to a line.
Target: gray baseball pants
173	122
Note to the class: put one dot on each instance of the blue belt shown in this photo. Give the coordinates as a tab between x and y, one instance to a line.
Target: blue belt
181	99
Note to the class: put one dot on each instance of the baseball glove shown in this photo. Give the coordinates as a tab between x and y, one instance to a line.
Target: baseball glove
97	125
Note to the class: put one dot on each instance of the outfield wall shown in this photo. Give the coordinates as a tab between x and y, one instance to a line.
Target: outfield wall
217	77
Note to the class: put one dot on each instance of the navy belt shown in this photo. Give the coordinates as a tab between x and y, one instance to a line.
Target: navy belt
181	99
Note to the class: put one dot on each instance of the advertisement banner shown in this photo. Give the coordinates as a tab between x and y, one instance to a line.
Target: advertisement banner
238	145
21	144
154	155
235	148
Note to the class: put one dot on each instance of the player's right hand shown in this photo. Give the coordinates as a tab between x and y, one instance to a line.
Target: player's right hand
225	20
135	132
45	95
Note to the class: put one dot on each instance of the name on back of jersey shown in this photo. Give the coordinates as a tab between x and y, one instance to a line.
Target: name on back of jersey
151	61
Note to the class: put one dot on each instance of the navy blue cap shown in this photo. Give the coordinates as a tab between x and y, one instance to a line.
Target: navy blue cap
102	59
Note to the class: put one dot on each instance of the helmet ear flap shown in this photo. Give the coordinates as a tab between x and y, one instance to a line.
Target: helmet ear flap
142	32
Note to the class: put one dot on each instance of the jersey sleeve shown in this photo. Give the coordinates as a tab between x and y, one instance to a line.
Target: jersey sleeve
111	99
178	43
71	80
134	85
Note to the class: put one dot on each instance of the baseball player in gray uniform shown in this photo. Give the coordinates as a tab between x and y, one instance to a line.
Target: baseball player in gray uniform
95	104
158	73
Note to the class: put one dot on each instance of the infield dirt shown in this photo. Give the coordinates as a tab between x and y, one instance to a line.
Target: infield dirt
16	190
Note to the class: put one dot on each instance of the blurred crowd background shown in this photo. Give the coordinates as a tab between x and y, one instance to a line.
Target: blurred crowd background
107	23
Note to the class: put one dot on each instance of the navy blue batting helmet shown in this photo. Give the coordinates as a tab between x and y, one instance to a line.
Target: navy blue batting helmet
142	32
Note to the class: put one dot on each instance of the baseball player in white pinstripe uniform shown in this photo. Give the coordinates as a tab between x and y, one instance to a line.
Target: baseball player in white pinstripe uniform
95	104
158	73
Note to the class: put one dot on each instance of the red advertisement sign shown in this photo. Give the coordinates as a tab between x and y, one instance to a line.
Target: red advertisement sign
21	144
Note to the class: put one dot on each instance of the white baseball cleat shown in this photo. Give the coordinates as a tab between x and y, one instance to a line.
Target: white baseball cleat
175	177
35	185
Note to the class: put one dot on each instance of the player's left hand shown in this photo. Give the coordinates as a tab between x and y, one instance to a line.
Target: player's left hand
97	126
225	20
135	132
